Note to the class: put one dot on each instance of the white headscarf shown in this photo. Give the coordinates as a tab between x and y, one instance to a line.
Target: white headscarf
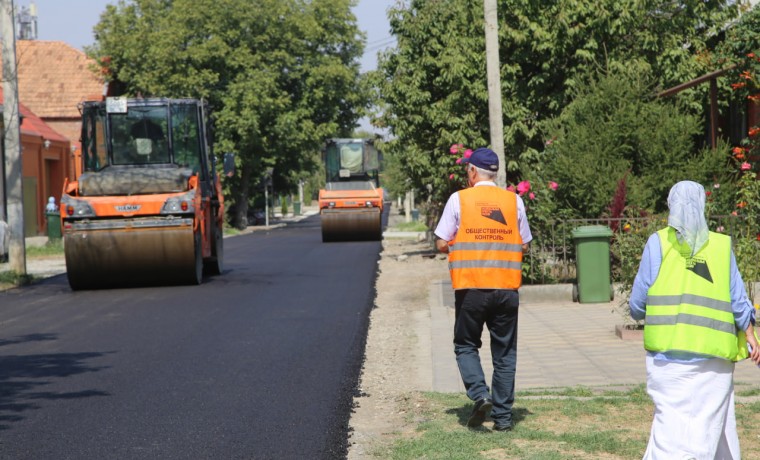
687	213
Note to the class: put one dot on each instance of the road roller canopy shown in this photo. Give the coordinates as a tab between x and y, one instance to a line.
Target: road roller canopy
122	132
351	160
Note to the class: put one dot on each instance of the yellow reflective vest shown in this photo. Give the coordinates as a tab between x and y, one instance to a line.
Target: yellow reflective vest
487	250
689	304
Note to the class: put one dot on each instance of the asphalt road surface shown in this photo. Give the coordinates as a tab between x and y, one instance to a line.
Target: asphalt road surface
258	363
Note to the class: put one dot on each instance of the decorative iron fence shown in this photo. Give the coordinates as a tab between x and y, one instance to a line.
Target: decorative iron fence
551	257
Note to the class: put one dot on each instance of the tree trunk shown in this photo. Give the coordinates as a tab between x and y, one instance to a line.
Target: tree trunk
240	218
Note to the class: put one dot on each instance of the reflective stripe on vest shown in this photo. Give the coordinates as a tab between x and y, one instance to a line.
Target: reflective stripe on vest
689	304
487	251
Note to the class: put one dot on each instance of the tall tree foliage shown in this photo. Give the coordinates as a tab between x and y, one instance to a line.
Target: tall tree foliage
433	85
281	75
432	89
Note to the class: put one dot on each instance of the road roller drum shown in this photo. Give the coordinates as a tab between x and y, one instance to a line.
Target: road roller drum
351	225
127	257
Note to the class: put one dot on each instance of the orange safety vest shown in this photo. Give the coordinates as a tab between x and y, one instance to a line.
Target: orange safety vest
487	250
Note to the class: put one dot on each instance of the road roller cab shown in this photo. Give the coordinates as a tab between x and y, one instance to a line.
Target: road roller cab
147	208
351	204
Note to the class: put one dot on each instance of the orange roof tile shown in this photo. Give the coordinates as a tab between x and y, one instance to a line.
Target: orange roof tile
33	125
54	77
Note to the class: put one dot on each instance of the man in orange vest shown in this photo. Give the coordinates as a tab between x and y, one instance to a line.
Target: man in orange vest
484	230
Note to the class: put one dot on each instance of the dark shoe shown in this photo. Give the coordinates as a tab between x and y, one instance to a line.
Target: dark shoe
479	412
503	426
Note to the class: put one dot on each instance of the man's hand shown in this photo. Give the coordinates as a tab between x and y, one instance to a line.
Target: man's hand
752	341
442	245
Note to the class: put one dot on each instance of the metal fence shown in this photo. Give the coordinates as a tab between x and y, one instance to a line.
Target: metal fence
551	257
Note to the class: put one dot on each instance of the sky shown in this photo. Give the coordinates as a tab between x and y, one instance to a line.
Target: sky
71	21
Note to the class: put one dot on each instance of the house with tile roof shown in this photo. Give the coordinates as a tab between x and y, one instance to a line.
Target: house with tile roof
53	78
46	161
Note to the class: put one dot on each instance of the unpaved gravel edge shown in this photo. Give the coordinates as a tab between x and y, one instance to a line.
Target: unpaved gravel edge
398	361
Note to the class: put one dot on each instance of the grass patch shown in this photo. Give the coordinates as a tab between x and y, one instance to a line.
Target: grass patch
51	248
230	231
550	424
410	227
747	393
11	278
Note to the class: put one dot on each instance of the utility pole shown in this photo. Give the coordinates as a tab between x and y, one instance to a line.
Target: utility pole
3	213
494	87
12	131
267	183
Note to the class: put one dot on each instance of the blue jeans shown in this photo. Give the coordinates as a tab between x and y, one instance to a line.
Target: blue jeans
497	309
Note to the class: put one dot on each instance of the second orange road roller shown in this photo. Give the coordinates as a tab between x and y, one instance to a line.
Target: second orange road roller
147	205
351	204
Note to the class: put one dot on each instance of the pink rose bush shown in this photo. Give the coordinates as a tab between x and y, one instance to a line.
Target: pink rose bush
539	201
540	197
458	176
523	187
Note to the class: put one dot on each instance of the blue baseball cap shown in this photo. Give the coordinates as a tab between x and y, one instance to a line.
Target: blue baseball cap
483	158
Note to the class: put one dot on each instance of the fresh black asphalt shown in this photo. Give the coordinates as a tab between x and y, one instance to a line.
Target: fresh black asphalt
261	362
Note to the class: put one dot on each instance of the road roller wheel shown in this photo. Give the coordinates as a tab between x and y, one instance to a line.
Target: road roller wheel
215	264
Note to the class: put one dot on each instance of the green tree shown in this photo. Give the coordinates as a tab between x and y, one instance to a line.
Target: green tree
431	92
281	75
433	84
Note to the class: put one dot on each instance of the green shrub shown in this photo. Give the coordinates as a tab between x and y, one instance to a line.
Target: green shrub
615	129
283	205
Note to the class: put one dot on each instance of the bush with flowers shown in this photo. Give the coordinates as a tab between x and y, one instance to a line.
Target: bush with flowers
746	236
456	172
740	52
732	208
539	196
626	248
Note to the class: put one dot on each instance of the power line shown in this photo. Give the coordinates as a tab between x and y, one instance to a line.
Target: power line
391	41
381	40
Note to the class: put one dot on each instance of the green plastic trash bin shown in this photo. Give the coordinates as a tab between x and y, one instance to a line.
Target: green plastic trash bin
296	208
54	225
592	264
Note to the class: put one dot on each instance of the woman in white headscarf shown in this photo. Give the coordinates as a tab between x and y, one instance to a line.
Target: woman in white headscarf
691	294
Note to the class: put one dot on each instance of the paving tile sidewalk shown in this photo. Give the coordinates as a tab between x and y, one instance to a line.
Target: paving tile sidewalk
560	344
